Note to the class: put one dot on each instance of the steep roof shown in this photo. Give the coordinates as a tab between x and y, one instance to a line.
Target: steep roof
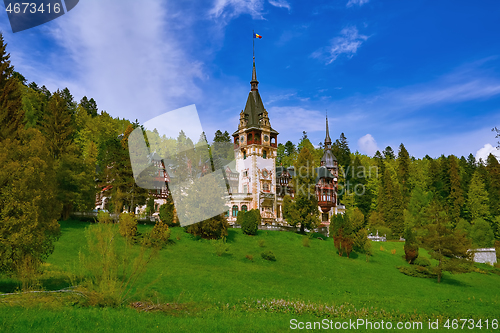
254	109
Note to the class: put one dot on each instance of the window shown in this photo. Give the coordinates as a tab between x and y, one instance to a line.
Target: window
325	217
278	211
227	213
245	173
235	211
244	208
249	137
244	154
266	187
264	154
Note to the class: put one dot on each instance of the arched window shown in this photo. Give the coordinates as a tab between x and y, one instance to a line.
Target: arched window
244	208
227	213
235	211
264	154
244	154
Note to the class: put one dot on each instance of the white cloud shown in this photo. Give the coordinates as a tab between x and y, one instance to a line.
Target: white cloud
226	10
129	62
368	145
347	43
484	152
360	3
280	4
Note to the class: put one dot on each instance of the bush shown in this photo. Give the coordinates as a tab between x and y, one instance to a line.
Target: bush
220	246
213	228
262	243
109	271
422	261
104	217
419	271
167	213
249	257
411	247
306	241
250	221
128	225
268	255
159	235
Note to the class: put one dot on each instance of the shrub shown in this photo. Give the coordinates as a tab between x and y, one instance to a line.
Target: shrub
306	241
268	255
167	213
393	251
411	247
159	235
249	257
213	228
104	217
262	243
422	261
220	246
128	225
497	248
419	271
109	272
250	221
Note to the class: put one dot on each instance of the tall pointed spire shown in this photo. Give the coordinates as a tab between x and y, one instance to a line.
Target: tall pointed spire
328	141
254	83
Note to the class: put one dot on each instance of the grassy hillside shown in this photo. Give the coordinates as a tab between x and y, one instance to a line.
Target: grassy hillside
233	293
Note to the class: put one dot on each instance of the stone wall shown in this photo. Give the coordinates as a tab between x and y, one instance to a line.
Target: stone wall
483	255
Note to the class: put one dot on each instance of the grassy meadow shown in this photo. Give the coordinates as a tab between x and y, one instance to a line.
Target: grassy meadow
193	289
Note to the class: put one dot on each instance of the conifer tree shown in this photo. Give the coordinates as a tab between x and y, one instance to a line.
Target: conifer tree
11	113
448	247
456	199
404	174
493	168
389	153
303	209
477	198
340	149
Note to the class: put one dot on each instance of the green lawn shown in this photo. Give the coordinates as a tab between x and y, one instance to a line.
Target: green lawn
223	293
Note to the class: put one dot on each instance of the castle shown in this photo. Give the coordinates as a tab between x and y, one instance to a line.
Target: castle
256	182
253	178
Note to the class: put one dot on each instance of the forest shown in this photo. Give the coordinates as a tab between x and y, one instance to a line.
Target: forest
58	153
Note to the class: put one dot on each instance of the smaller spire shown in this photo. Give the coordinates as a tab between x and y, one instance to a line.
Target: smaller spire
254	83
328	141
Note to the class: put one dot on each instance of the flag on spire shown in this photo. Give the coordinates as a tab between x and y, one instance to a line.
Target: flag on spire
256	35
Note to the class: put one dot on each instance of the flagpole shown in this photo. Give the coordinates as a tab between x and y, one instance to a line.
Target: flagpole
253	46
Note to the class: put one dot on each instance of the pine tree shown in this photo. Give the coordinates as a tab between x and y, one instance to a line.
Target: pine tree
90	106
57	126
448	247
404	174
11	112
389	153
493	168
456	199
477	198
341	151
29	209
303	209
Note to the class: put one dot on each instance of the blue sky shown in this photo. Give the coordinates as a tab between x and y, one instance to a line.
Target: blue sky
422	73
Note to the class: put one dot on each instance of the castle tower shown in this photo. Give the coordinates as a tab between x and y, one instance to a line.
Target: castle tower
255	145
326	189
